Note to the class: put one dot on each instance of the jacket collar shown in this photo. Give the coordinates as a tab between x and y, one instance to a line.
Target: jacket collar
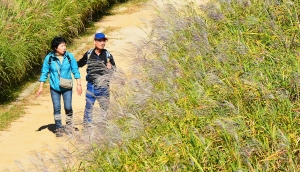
52	54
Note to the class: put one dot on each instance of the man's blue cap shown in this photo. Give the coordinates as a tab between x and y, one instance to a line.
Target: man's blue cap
100	36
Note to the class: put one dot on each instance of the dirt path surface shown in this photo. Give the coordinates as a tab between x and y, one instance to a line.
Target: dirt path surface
32	135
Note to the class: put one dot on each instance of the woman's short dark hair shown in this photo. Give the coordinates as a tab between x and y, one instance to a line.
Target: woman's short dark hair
56	41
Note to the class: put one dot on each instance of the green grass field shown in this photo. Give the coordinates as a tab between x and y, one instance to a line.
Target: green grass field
218	90
221	94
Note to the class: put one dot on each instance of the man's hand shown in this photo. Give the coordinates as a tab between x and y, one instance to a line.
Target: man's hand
108	64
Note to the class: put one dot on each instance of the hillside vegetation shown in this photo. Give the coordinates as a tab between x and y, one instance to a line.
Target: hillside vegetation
26	29
219	92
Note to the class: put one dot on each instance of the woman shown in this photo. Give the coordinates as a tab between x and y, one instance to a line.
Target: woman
60	63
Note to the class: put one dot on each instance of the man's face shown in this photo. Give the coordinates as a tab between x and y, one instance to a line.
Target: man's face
100	43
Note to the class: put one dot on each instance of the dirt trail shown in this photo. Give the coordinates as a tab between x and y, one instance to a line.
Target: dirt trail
32	133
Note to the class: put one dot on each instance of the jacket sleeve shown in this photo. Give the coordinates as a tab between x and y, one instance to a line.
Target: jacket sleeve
74	66
45	69
82	61
112	62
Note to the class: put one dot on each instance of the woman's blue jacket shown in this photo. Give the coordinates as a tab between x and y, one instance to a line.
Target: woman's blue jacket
52	64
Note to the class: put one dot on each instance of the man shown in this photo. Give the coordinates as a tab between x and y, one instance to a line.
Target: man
100	65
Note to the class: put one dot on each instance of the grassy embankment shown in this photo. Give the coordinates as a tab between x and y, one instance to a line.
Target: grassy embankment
222	93
26	29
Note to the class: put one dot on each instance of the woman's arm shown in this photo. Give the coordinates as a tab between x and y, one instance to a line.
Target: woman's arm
76	73
44	75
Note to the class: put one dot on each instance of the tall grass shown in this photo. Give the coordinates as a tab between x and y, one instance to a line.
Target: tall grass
219	92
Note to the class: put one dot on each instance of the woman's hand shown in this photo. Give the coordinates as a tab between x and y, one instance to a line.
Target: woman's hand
79	89
40	90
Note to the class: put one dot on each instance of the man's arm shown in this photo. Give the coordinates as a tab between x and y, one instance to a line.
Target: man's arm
111	63
82	61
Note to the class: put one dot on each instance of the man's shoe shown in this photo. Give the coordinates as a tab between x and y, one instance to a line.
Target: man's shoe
87	128
76	129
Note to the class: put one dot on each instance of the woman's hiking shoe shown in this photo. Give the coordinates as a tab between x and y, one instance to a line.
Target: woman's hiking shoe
70	129
59	132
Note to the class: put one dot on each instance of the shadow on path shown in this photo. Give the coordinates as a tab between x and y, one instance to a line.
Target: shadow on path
50	127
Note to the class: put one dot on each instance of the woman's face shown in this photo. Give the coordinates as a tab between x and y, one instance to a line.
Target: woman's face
61	49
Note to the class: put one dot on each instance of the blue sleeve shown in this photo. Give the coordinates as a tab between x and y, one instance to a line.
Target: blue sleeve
45	69
74	66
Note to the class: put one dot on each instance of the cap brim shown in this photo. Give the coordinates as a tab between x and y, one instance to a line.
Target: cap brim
101	38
